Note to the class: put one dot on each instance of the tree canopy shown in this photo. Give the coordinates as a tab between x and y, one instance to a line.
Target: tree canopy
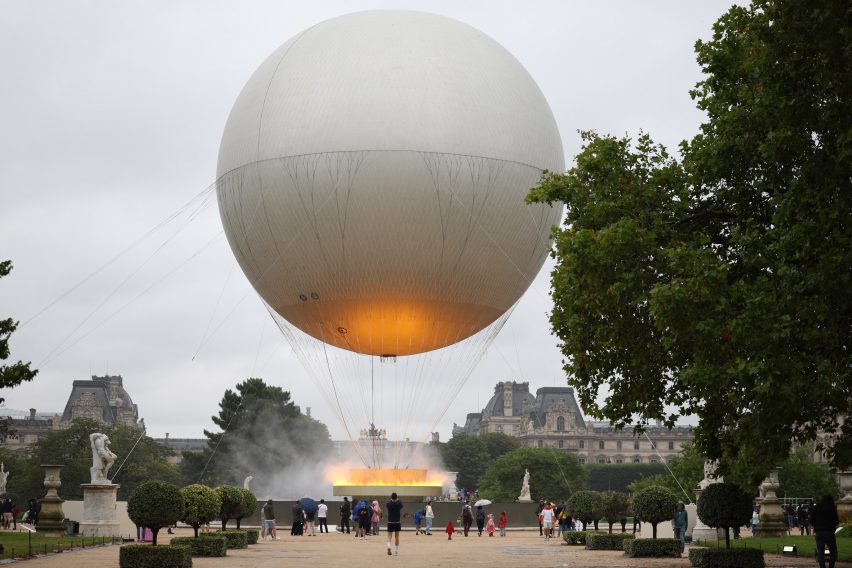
720	285
201	504
724	505
155	504
470	456
687	469
72	448
554	475
800	476
654	505
586	506
16	373
264	434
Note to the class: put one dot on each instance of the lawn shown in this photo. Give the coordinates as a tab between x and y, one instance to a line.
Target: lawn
18	544
806	546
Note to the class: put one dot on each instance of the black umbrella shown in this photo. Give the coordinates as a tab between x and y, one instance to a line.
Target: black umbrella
8	495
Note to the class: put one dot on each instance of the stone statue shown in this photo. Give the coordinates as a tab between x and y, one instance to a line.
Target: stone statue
102	458
4	475
247	481
525	488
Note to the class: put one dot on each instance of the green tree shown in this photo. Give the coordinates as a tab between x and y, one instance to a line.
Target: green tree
720	285
615	507
687	469
553	475
201	504
261	430
654	505
155	504
724	505
16	373
249	505
800	476
72	447
233	503
471	455
586	506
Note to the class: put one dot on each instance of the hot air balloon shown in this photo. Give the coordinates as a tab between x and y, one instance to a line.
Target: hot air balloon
371	184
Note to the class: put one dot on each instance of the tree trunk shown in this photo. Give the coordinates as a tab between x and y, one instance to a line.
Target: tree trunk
195	528
596	524
654	531
154	536
727	537
238	522
224	522
610	528
584	525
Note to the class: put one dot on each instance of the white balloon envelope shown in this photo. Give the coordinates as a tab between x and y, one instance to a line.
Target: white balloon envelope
372	176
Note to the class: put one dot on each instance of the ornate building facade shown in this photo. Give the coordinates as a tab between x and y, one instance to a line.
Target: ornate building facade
101	398
552	419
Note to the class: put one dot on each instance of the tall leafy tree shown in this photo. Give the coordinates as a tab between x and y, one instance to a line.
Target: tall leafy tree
800	476
683	474
554	475
470	456
262	433
720	285
13	374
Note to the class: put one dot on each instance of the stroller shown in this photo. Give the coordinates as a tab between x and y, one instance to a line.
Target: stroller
298	527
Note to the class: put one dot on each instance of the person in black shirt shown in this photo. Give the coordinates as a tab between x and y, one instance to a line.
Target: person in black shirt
825	521
345	511
394	507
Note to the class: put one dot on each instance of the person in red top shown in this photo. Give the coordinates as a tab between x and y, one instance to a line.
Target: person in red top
450	530
501	524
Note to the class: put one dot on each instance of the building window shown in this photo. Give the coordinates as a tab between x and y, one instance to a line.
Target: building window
637	460
541	443
601	460
601	445
582	444
561	444
655	460
560	424
499	428
671	445
618	444
619	461
582	461
636	446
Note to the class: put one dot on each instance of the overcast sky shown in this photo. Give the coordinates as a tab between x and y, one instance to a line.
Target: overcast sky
110	119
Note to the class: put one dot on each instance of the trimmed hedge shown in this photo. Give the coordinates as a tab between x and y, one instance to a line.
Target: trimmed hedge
252	535
574	537
236	539
147	556
209	546
652	548
614	541
726	558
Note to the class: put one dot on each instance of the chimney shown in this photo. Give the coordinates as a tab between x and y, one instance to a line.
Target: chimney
507	398
167	435
32	413
308	411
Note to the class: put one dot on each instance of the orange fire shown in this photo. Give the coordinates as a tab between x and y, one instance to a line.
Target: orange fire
384	477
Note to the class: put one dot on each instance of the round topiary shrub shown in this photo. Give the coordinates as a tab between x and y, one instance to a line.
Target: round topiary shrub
655	504
724	505
615	507
249	505
587	506
155	504
233	503
201	505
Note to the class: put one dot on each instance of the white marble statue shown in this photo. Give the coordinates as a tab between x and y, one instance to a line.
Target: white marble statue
247	482
4	475
525	487
102	458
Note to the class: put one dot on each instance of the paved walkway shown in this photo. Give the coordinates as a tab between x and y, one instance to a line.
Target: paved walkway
516	550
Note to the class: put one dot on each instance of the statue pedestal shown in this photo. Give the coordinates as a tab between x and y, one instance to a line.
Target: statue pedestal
99	514
771	518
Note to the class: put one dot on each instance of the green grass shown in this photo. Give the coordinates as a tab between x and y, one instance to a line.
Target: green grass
806	545
17	544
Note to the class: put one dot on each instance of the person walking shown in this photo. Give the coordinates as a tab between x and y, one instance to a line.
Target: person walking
547	520
269	513
755	519
538	516
322	516
309	517
804	524
825	522
501	524
394	507
345	511
467	518
430	517
298	527
418	518
489	525
376	518
679	524
450	530
364	514
480	519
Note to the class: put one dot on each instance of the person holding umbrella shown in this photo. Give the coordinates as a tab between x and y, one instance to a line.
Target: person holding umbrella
310	507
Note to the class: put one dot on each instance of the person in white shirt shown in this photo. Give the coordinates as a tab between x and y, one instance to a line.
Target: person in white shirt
322	515
430	517
547	520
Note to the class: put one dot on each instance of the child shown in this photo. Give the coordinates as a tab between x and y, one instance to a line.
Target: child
501	524
450	530
418	516
489	526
